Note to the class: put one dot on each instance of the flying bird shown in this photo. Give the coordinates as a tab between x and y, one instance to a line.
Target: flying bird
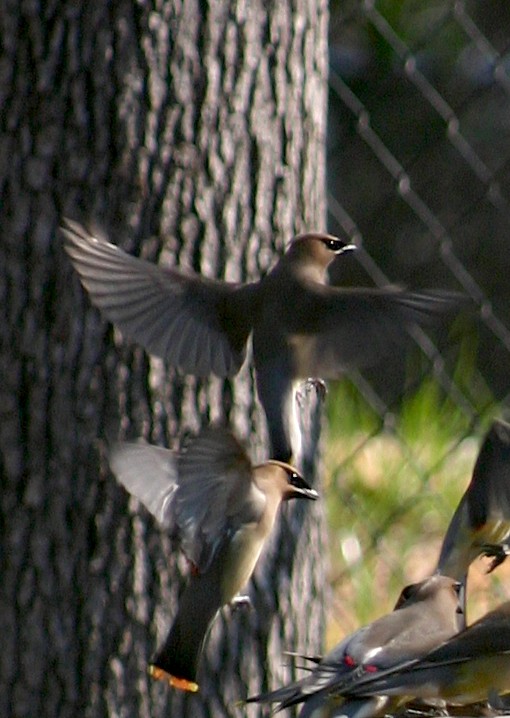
481	522
425	616
220	509
472	666
301	327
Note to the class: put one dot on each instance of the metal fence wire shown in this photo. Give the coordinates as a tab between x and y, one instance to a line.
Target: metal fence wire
418	169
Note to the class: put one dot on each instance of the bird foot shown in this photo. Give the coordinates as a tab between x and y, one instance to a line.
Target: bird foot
319	385
239	602
498	552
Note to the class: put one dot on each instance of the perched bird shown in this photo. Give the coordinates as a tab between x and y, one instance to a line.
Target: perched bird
221	509
480	525
472	666
425	616
301	326
481	522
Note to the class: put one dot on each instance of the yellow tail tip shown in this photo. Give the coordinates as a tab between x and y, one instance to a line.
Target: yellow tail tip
181	684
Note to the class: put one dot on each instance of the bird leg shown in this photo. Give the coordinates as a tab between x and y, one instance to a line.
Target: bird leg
239	602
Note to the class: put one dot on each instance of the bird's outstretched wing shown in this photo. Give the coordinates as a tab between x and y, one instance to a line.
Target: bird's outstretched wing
339	329
197	324
150	474
198	495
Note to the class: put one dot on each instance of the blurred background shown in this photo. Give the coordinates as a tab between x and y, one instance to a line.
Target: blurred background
418	161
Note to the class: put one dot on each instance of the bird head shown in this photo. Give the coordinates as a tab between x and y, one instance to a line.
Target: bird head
316	251
442	588
290	483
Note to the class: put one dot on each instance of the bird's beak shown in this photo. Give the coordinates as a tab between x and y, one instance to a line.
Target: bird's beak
348	248
299	489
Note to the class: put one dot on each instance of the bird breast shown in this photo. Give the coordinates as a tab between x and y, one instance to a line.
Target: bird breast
242	555
476	679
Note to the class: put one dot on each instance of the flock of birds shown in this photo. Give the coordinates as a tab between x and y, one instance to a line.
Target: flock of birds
221	508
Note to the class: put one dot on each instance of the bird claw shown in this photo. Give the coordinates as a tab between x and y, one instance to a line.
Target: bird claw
498	552
319	385
239	602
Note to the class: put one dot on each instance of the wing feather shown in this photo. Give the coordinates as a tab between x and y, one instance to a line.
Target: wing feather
169	313
201	495
345	328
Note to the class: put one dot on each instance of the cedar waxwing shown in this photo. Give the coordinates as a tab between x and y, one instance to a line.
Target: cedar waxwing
301	327
221	509
472	666
481	522
425	616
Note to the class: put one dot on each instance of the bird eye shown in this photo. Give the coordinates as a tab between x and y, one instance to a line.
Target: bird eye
335	245
297	480
405	595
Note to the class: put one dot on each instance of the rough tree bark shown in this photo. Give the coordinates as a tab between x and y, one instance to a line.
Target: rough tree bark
194	134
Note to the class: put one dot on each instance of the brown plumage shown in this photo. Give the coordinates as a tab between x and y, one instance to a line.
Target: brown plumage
301	326
426	615
221	509
472	666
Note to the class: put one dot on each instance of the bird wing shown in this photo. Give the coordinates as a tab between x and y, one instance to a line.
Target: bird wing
483	515
489	636
150	474
393	640
326	673
488	494
419	624
334	329
197	324
202	495
216	494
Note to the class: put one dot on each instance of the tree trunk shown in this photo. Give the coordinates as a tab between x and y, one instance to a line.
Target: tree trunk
194	134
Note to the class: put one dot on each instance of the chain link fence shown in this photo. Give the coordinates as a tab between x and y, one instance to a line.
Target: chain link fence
418	162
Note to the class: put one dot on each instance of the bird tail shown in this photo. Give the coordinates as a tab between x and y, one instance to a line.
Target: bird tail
177	660
285	697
